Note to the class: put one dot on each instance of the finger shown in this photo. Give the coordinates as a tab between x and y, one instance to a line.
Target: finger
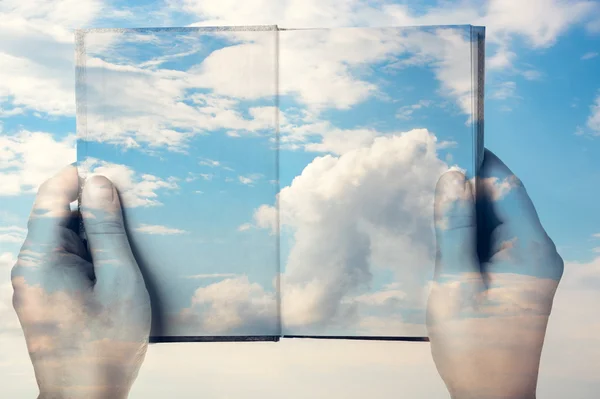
114	265
51	210
509	201
455	226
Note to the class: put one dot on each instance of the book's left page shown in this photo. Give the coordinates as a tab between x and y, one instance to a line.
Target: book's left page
184	122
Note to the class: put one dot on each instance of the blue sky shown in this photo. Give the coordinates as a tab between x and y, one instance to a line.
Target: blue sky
540	119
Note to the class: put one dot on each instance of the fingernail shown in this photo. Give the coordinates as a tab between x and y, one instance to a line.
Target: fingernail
98	192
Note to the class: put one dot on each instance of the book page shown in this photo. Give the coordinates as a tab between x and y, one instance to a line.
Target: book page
183	121
370	119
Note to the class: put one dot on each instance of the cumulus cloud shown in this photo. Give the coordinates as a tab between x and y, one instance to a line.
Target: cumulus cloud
351	215
28	158
232	306
266	217
135	189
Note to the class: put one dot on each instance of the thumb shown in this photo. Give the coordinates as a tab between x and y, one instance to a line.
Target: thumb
455	226
114	264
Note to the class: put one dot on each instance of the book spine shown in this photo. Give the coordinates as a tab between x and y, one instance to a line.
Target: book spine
81	114
478	58
278	185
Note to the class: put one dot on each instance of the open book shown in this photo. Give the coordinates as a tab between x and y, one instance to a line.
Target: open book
280	182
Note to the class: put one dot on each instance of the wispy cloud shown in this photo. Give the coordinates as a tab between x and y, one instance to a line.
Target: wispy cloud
158	229
504	90
407	111
589	55
249	179
12	234
244	227
212	275
195	176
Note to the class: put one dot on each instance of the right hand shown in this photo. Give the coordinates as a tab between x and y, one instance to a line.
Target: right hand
487	312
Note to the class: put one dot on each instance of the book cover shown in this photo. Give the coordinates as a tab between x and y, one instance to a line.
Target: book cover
279	182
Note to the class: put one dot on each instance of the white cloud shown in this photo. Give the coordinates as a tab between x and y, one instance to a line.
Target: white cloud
12	234
376	223
245	180
593	122
407	111
498	189
158	229
502	59
589	55
504	90
330	138
232	305
36	52
135	189
249	180
210	162
27	159
131	106
213	275
540	22
244	227
266	217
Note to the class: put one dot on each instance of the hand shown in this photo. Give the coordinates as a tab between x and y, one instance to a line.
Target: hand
85	317
496	275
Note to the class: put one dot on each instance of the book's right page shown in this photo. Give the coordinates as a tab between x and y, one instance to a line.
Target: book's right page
370	118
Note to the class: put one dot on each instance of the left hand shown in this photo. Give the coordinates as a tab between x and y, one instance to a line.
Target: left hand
85	317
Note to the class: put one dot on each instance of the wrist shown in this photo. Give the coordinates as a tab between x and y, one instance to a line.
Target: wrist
84	393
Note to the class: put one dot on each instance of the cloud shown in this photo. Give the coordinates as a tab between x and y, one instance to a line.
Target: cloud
589	55
36	52
540	23
232	306
244	227
158	230
267	217
407	111
134	105
330	138
210	162
12	234
504	90
135	189
245	180
498	189
593	122
377	223
213	275
27	159
249	180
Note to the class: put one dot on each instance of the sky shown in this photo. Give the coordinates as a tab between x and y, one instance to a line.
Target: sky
542	118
